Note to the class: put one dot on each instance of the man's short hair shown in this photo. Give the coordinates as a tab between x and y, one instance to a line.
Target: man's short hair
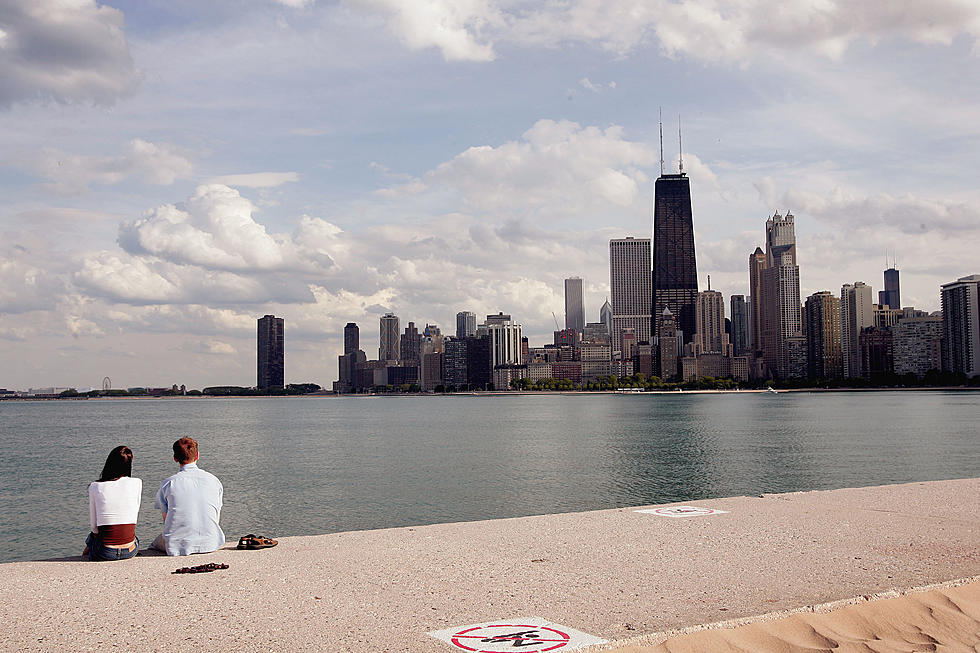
185	450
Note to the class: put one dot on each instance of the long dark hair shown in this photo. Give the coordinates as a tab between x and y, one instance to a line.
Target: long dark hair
119	463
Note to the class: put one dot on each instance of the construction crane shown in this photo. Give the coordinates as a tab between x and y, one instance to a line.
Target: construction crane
557	328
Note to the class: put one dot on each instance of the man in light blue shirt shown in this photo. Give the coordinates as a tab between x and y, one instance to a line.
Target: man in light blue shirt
191	504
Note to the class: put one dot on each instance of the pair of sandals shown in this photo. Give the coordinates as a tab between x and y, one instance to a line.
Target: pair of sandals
252	542
201	569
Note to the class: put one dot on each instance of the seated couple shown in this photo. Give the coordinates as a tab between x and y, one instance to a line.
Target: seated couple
190	501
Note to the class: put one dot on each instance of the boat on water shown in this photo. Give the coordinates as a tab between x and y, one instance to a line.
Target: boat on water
769	390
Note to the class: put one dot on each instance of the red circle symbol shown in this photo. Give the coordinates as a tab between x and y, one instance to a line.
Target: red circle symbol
495	638
685	510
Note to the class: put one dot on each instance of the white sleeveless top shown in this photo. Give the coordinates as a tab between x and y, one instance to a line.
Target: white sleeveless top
114	502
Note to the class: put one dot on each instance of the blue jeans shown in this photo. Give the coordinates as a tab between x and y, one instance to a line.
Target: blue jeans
98	552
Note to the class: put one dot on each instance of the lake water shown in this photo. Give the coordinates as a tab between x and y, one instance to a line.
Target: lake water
297	466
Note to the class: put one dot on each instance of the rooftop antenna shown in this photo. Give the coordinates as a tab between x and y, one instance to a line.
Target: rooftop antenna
709	282
680	145
661	141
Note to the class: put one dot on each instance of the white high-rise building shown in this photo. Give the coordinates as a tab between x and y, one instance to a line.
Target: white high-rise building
856	313
783	344
505	341
710	337
961	325
575	304
631	289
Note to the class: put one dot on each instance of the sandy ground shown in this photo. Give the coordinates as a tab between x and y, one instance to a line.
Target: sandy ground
943	619
616	574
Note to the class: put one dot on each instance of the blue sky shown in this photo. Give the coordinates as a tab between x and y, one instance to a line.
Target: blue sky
173	170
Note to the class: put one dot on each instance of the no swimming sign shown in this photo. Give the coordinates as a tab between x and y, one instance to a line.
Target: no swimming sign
682	511
520	634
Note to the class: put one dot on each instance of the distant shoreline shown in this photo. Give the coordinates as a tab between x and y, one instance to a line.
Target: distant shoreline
508	393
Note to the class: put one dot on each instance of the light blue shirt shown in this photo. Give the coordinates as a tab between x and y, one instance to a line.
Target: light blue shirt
192	500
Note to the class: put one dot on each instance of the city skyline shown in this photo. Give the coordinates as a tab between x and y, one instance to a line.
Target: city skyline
376	164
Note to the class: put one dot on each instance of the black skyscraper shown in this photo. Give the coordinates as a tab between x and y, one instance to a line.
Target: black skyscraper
675	273
890	296
352	338
270	352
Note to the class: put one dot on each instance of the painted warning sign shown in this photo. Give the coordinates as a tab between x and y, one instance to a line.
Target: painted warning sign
682	511
522	634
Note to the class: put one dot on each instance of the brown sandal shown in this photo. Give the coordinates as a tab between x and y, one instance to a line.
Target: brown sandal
252	542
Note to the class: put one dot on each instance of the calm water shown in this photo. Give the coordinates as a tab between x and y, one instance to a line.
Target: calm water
294	466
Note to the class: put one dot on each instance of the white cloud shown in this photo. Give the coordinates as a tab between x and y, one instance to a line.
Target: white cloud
147	280
455	27
558	168
739	30
153	163
256	179
214	229
24	286
909	214
210	347
63	50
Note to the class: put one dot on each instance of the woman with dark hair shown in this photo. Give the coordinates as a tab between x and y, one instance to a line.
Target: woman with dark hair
113	506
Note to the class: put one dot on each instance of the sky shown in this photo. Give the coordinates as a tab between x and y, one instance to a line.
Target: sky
171	170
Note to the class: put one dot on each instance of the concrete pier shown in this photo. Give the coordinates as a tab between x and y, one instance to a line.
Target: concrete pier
619	575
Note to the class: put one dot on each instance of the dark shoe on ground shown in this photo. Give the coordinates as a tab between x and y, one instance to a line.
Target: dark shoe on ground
200	569
252	542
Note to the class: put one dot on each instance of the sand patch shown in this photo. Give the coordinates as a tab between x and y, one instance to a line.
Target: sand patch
946	619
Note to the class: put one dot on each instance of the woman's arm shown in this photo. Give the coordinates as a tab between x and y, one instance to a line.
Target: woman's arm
91	509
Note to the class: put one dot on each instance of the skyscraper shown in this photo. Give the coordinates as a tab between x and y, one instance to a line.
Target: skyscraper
918	345
757	263
740	326
824	355
505	341
961	325
630	289
454	363
605	317
347	364
506	349
270	352
783	344
352	338
890	296
390	347
710	336
465	324
410	346
675	273
856	314
574	304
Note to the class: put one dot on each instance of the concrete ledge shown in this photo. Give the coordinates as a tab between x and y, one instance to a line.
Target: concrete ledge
616	574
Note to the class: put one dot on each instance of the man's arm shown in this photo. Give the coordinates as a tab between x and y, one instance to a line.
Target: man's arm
161	502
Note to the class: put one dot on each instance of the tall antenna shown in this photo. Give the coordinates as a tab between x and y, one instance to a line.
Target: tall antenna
709	282
680	145
661	141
